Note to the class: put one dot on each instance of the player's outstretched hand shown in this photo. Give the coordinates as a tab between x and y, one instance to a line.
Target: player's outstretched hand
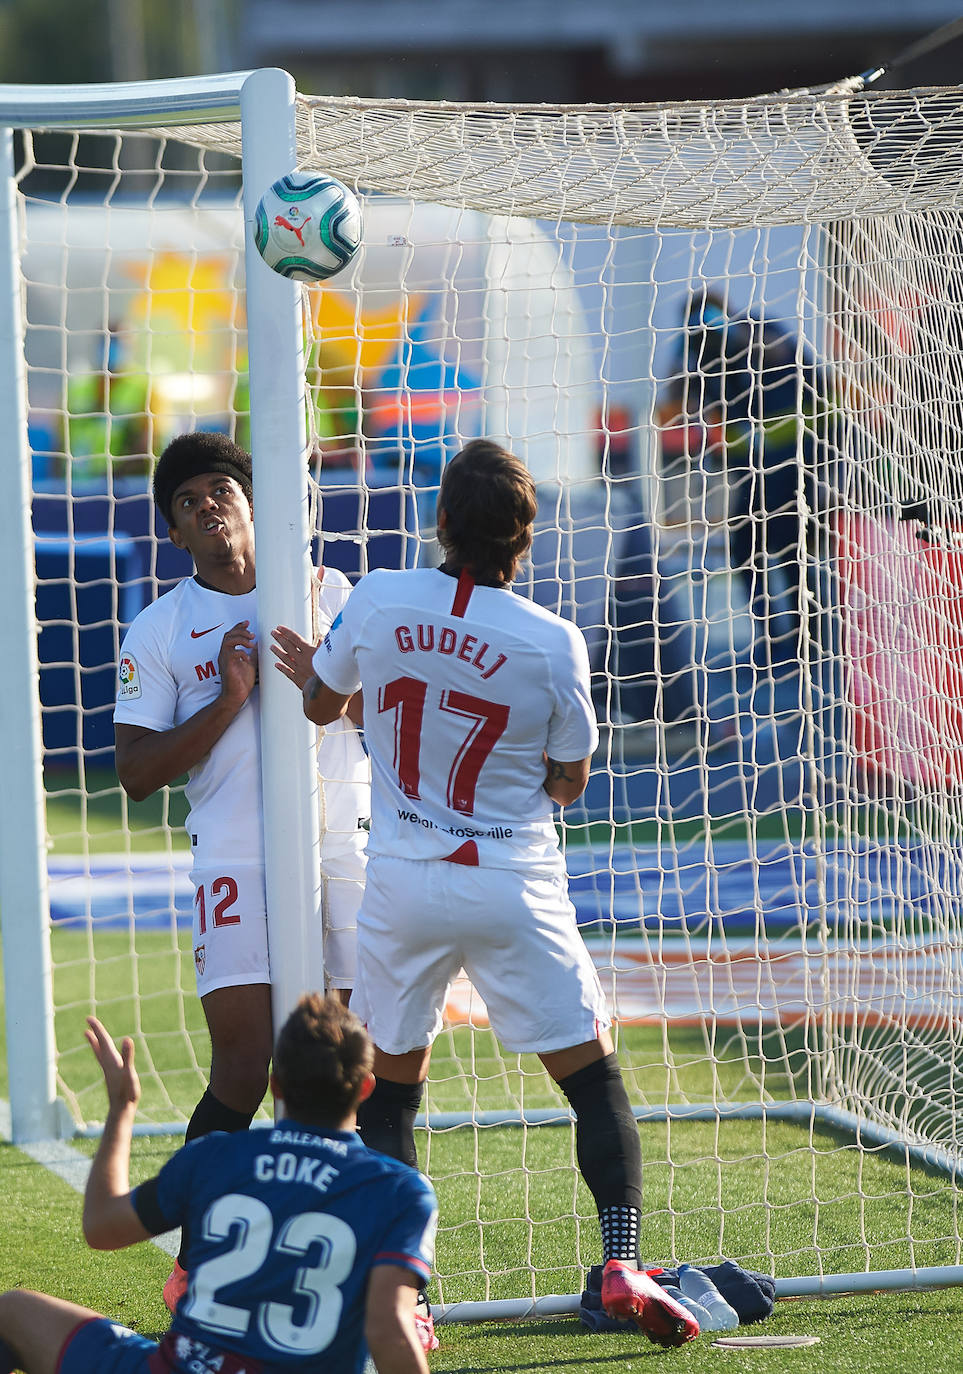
117	1066
293	655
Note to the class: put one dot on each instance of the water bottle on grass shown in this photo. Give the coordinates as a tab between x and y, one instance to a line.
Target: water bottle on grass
700	1288
690	1305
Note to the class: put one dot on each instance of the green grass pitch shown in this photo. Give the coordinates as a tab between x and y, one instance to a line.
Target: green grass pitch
890	1333
774	1215
763	1193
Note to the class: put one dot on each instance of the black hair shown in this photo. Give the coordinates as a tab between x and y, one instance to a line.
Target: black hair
191	454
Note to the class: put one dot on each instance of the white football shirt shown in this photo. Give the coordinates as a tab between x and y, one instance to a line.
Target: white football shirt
168	671
465	688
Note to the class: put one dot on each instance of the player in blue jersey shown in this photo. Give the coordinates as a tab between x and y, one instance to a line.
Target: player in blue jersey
305	1247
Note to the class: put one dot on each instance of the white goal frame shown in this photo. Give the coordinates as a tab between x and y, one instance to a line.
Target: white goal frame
269	134
262	103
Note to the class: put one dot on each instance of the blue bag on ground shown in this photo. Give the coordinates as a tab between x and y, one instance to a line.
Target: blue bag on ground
751	1294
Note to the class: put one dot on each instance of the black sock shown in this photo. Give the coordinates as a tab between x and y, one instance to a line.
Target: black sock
609	1153
386	1121
210	1115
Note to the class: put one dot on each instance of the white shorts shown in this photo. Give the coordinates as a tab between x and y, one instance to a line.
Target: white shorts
230	923
230	927
422	921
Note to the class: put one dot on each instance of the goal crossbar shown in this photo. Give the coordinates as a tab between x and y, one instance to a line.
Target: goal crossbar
817	156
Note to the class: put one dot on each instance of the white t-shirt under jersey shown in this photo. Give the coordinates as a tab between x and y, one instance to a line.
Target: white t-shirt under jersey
462	696
168	671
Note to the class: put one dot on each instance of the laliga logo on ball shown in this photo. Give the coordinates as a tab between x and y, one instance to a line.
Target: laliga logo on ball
308	226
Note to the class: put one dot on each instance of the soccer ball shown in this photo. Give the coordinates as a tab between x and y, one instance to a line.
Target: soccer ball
307	226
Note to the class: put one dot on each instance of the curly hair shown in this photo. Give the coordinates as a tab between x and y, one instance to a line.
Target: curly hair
189	455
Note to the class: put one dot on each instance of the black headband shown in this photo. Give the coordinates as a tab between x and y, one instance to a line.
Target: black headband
170	476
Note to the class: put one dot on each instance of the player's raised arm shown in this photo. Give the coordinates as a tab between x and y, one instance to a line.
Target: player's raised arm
294	656
321	703
110	1222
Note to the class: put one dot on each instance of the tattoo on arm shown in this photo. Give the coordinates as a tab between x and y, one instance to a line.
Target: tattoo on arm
313	687
557	773
564	782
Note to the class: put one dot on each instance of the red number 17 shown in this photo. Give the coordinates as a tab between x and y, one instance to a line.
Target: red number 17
406	697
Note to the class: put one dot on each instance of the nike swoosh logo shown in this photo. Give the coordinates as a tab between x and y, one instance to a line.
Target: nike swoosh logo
196	634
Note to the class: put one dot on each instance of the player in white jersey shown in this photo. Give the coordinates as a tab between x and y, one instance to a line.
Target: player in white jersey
478	717
187	702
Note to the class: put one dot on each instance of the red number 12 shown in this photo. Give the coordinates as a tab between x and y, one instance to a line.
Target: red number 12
226	889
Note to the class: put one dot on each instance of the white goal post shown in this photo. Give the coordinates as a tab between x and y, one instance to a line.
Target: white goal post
728	340
263	104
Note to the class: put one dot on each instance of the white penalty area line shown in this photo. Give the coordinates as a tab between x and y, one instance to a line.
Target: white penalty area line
61	1159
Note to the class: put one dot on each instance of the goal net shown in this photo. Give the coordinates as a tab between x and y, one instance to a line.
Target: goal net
727	341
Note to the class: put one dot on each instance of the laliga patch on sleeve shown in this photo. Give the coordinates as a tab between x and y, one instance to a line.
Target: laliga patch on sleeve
128	679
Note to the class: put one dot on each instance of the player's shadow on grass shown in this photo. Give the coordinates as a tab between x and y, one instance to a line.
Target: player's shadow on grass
612	1348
